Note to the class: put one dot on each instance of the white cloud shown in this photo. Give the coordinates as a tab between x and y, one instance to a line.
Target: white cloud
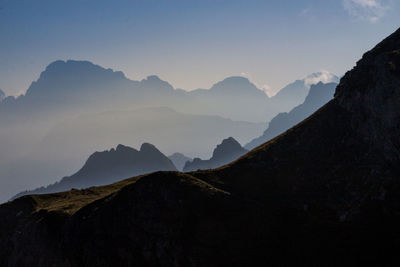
267	90
371	10
322	76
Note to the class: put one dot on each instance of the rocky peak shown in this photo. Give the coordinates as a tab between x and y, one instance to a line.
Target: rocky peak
146	147
236	84
228	146
153	82
371	92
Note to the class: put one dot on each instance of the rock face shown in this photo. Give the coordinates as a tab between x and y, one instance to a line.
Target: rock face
325	193
179	160
318	96
111	166
226	152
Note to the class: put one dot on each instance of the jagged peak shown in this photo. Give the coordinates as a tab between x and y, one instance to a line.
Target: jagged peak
153	81
147	147
236	83
228	144
379	66
75	66
122	148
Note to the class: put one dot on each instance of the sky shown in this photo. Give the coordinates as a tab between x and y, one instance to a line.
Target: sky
191	44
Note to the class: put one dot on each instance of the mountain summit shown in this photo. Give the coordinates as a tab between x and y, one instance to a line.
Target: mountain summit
226	152
111	166
324	193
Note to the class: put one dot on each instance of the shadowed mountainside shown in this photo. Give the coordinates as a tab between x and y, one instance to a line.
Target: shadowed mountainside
319	95
324	193
226	152
110	166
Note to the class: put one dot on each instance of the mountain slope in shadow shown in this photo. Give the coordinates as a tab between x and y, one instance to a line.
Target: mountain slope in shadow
319	95
226	152
324	193
111	166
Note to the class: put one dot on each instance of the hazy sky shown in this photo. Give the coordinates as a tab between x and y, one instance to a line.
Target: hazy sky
189	43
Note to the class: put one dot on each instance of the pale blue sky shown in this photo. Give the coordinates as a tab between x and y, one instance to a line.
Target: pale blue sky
191	44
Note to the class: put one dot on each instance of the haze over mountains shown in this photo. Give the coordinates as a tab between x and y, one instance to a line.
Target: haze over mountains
319	95
110	166
324	193
179	160
2	95
77	107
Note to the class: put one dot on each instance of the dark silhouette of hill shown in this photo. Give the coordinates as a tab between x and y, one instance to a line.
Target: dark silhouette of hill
324	193
226	152
179	160
2	95
319	95
110	166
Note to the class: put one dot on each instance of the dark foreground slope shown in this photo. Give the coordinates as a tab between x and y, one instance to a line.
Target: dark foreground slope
319	95
324	193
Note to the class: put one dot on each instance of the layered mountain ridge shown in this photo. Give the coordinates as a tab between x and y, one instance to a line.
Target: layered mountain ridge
110	166
324	193
319	95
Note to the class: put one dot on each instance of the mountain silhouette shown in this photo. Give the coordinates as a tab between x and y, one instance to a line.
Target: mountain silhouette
226	152
295	93
319	95
2	95
324	193
111	166
179	160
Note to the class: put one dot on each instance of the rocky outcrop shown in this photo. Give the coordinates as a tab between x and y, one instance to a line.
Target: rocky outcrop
226	152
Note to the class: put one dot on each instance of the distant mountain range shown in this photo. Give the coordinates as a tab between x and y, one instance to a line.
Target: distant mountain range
170	130
110	166
324	193
78	86
179	160
296	92
76	107
319	95
226	152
